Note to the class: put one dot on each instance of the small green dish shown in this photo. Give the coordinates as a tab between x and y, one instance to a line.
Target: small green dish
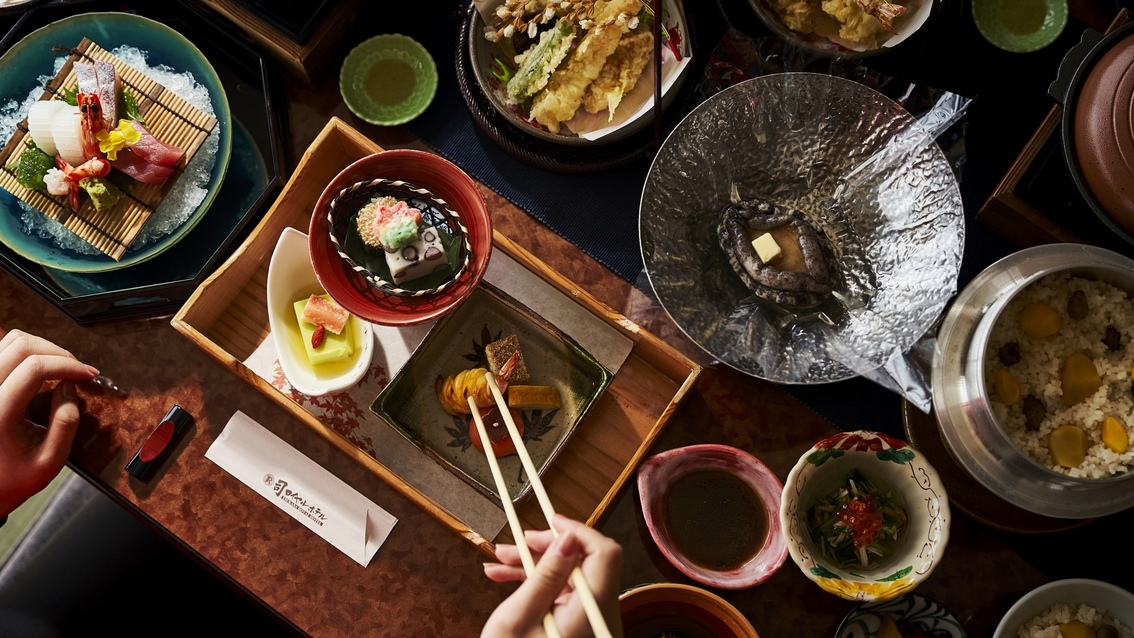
388	80
1020	26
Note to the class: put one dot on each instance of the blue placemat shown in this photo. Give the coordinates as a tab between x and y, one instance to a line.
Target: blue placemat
598	212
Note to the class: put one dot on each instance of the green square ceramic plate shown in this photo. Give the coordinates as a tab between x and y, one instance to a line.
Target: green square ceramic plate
456	343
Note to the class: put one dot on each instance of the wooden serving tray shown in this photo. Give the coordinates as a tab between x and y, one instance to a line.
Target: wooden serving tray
227	317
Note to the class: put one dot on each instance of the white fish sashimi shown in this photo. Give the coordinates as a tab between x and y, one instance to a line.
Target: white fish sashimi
108	86
65	131
40	116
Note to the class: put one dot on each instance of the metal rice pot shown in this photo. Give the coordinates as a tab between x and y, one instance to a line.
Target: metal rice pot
968	427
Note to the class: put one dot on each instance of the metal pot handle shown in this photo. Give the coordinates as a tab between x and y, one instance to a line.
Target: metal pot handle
1060	89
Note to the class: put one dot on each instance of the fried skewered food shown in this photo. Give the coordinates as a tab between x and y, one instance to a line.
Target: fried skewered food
454	390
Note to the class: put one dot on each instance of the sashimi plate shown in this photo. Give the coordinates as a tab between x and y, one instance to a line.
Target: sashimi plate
32	57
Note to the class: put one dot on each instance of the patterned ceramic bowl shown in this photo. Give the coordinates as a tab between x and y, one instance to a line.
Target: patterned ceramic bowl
888	462
912	611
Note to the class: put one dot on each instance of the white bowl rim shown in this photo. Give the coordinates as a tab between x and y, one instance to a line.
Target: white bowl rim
1016	611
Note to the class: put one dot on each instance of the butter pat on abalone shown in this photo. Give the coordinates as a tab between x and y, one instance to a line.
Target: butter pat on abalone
766	247
422	256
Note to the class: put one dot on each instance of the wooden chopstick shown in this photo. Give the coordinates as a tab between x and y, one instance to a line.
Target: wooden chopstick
586	596
549	626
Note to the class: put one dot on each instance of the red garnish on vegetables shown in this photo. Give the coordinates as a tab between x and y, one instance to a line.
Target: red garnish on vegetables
863	517
317	336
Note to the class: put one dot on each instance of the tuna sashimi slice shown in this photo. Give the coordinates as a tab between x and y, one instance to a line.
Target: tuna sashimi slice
139	169
154	150
328	314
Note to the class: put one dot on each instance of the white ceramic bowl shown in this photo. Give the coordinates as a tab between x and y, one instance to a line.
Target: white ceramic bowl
291	278
1118	603
825	466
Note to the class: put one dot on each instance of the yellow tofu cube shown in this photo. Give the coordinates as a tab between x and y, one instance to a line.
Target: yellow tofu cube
335	347
766	247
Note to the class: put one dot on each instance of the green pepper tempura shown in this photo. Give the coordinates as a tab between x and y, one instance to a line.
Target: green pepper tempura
859	524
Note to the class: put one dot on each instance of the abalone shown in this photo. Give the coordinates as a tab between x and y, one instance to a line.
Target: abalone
803	278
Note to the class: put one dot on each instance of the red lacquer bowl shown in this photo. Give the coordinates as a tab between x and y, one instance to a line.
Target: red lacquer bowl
660	471
350	289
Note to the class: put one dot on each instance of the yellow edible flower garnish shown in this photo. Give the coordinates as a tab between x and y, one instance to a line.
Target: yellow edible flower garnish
110	142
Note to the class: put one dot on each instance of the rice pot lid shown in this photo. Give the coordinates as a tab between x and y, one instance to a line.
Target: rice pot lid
1103	132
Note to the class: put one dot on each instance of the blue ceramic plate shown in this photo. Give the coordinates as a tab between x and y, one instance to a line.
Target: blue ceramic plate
31	57
914	610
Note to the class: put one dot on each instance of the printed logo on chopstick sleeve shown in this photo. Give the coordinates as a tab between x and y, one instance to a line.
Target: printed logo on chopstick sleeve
295	499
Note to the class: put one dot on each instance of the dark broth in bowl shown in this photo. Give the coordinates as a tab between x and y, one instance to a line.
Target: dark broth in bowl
714	519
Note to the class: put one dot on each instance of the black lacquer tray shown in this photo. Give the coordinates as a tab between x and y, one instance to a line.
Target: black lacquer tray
256	174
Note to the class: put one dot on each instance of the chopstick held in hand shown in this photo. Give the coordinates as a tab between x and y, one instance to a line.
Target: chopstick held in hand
586	596
549	626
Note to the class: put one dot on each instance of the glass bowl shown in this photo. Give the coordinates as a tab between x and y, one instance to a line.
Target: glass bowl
856	165
968	426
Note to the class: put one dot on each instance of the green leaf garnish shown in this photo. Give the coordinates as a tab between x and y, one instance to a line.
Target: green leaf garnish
70	96
130	106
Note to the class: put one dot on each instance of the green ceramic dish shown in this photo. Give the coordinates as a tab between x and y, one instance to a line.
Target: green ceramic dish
388	80
409	403
1020	26
32	56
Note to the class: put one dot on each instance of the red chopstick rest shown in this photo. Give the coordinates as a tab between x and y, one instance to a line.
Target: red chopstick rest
156	448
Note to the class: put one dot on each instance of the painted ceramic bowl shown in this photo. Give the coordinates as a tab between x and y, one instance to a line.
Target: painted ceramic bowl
371	262
1117	603
914	611
899	473
31	57
661	472
388	80
653	610
350	289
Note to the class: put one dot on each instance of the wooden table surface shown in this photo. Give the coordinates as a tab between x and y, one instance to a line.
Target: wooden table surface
426	581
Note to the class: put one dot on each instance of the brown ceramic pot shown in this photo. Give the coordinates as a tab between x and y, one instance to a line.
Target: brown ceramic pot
1096	86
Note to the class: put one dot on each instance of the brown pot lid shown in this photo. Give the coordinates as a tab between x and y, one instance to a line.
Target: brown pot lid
1104	132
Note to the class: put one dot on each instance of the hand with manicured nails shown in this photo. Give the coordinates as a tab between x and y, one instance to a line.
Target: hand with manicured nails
32	455
521	614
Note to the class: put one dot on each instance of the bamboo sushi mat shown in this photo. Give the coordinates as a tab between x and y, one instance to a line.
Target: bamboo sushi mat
168	117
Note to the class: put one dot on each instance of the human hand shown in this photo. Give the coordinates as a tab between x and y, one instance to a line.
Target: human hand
521	614
30	455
